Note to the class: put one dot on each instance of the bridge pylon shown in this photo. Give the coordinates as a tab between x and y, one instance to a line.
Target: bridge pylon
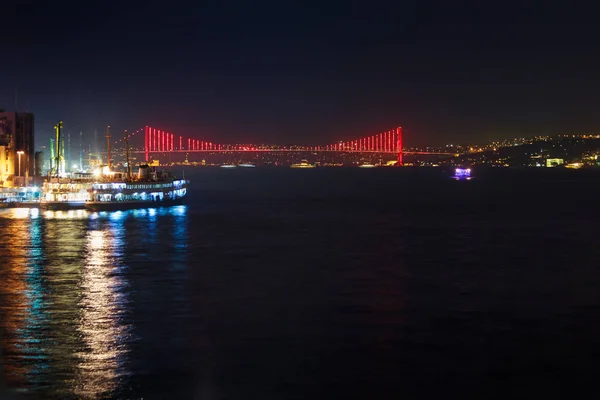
399	145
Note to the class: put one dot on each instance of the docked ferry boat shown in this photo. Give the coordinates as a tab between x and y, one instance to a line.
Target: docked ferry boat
66	193
148	189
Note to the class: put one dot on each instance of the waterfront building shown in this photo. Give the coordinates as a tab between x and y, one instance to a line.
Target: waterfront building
6	163
17	155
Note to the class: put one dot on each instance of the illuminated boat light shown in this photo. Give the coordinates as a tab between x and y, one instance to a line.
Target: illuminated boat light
462	174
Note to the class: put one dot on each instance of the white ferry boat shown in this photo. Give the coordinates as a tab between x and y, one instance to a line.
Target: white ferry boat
109	190
148	189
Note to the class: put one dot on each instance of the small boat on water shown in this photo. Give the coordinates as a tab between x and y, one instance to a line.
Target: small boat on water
303	164
247	165
462	174
367	166
228	166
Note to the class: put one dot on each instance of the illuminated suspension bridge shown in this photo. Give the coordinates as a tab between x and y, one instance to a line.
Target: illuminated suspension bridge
160	141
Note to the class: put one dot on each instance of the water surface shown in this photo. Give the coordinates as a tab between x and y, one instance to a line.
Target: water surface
339	283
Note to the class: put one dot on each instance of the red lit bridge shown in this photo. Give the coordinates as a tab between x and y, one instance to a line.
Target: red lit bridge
160	141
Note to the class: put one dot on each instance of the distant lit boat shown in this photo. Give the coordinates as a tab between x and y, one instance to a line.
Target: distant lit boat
574	165
247	165
462	174
366	166
228	166
303	164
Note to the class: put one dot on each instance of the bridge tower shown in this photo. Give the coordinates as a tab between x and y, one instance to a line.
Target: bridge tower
399	145
147	143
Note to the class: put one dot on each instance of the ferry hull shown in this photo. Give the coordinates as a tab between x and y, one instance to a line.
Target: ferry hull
62	205
24	204
130	205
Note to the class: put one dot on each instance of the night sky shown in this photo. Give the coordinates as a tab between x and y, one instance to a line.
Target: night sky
304	72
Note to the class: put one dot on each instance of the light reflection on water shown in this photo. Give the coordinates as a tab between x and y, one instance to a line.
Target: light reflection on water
103	305
66	329
15	306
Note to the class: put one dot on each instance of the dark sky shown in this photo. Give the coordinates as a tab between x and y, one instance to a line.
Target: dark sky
305	72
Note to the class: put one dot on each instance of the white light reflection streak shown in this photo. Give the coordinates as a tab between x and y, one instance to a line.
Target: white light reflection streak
104	305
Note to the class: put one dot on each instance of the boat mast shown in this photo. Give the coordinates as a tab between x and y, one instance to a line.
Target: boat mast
127	152
108	144
52	157
57	151
69	165
58	129
63	167
81	150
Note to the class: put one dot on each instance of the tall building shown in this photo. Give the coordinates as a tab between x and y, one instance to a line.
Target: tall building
38	168
16	135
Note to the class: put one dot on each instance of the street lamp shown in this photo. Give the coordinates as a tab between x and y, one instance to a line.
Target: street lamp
19	153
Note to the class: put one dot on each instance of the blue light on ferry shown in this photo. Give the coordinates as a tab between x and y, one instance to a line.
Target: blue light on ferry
35	213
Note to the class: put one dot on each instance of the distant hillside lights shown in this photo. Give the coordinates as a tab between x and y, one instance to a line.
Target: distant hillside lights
554	162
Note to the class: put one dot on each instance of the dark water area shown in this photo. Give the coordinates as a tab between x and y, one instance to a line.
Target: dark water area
318	283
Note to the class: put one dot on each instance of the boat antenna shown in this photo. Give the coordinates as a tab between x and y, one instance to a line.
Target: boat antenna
127	152
108	144
57	129
81	150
